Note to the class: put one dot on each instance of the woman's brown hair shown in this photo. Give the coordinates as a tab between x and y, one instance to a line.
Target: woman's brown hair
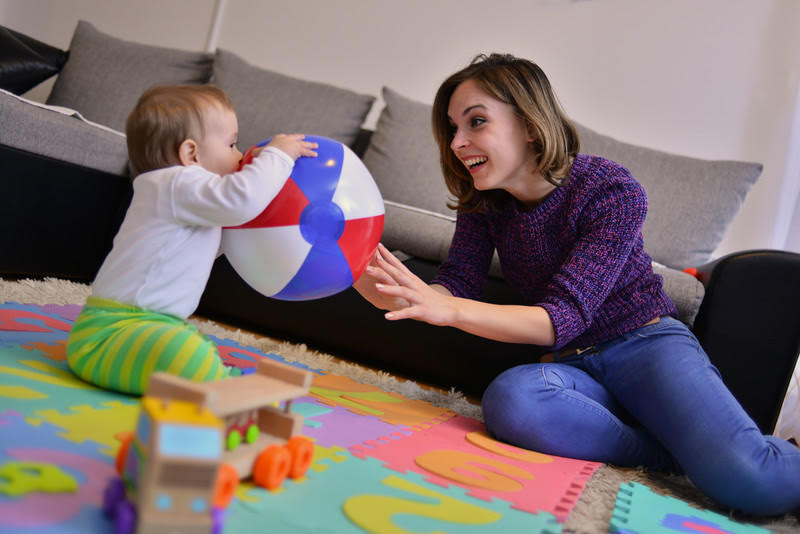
163	118
521	84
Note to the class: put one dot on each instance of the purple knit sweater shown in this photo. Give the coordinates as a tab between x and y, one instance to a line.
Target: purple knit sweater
579	255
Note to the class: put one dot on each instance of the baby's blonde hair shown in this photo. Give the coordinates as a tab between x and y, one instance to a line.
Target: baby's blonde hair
164	117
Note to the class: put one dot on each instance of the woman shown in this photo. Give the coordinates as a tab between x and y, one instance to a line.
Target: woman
626	383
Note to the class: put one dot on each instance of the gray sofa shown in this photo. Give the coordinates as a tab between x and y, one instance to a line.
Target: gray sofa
66	184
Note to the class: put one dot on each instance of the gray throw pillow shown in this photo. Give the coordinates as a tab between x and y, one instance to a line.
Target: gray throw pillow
403	157
104	76
691	201
268	103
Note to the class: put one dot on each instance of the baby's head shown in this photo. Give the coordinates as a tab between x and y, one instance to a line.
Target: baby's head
183	125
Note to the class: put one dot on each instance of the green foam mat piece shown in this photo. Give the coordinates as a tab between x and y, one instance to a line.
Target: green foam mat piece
640	511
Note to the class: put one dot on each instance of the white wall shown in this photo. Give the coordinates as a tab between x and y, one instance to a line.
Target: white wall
705	78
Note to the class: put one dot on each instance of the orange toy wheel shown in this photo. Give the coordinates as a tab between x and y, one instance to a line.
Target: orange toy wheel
122	453
225	486
302	451
272	466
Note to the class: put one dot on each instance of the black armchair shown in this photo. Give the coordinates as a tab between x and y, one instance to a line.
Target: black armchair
749	324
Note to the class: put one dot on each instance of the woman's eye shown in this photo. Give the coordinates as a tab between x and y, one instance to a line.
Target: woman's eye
476	121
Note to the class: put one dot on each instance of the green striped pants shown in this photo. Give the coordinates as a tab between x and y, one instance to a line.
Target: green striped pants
118	347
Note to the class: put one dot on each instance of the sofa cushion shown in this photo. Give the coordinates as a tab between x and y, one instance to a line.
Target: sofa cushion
419	232
61	134
26	62
104	76
685	290
403	157
269	103
691	201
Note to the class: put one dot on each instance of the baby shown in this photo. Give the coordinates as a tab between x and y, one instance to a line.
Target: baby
182	142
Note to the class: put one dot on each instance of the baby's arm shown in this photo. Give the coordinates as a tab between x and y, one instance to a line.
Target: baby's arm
236	198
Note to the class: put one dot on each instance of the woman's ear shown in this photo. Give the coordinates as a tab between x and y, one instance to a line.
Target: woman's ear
187	153
531	134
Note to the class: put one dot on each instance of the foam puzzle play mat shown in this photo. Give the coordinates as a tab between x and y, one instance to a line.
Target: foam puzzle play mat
368	460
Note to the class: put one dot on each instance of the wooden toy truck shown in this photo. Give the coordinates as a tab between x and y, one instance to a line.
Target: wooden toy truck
194	441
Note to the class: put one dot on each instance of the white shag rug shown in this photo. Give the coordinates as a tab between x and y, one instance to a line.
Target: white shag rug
591	514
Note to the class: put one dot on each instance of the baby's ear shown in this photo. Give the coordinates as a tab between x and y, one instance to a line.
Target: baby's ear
187	153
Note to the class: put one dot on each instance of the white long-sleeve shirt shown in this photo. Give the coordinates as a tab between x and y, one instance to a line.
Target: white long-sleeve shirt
163	253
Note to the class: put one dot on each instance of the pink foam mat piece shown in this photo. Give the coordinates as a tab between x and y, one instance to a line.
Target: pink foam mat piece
460	452
22	320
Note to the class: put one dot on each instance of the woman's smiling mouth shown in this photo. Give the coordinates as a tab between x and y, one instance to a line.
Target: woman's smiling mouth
474	163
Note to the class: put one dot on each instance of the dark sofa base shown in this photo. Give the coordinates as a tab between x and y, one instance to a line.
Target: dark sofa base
70	228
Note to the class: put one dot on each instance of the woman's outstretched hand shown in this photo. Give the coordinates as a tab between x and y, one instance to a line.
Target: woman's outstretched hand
389	285
404	294
374	275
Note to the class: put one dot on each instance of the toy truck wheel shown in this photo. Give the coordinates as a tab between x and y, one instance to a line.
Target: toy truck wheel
225	487
272	466
122	453
302	451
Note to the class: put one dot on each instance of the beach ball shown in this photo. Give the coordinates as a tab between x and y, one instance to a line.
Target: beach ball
317	235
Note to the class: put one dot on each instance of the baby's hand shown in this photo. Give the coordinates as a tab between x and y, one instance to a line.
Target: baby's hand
294	145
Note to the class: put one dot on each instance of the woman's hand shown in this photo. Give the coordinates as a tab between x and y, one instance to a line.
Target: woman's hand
372	276
412	298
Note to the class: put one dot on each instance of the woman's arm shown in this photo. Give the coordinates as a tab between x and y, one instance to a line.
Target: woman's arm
414	299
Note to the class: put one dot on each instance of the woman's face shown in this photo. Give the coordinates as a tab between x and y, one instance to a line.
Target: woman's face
492	142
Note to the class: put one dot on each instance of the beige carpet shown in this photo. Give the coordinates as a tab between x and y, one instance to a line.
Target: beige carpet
590	516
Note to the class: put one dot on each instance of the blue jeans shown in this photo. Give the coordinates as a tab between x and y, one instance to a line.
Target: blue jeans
648	398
